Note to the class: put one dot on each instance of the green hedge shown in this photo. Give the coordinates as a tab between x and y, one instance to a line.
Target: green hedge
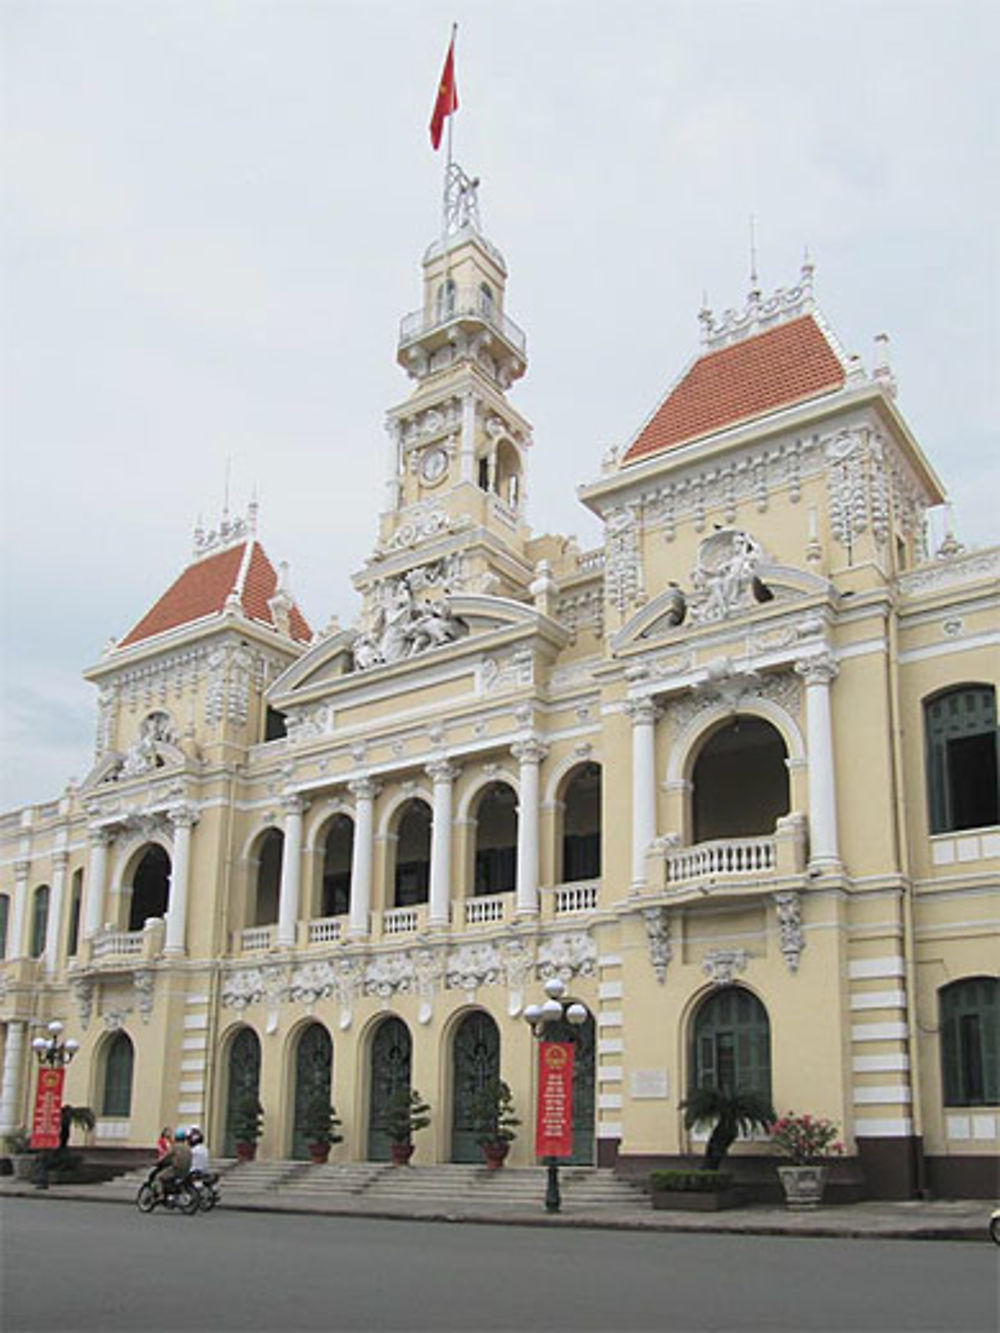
691	1182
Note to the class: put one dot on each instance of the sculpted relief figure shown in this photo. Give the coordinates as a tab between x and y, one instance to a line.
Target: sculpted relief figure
403	627
725	581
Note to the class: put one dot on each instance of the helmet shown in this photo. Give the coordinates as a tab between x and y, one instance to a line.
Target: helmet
195	1136
180	1134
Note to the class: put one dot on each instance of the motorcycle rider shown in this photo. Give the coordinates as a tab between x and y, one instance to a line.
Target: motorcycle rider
175	1166
199	1152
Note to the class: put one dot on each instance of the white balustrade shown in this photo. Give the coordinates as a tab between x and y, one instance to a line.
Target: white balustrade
256	938
485	911
574	898
400	921
325	929
725	858
117	944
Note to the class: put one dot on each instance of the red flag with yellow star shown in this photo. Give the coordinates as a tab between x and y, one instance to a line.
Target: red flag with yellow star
447	96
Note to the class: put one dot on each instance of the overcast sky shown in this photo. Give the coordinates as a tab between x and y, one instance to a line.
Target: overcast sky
213	218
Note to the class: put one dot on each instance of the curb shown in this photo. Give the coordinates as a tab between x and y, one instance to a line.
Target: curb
804	1228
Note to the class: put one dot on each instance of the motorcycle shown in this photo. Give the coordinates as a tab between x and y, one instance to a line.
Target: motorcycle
995	1226
182	1198
206	1187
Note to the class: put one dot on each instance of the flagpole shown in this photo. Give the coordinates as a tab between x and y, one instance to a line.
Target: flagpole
447	179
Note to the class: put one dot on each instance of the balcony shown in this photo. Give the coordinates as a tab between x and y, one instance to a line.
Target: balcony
468	304
726	858
489	910
257	939
723	863
323	930
571	899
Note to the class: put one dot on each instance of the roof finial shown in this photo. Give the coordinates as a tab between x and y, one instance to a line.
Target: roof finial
225	492
754	282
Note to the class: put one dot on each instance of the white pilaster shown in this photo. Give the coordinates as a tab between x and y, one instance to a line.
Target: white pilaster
10	1081
442	773
183	819
392	464
94	885
529	755
644	714
467	451
291	872
16	947
364	792
818	673
60	860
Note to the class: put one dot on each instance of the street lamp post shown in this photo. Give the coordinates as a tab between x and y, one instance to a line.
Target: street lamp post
539	1017
52	1053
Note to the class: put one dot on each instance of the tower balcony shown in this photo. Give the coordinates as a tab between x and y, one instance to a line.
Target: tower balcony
465	315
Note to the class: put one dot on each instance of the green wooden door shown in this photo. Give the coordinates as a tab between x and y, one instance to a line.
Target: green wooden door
313	1076
475	1062
244	1080
390	1069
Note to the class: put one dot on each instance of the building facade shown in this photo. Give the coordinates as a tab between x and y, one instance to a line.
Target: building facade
732	776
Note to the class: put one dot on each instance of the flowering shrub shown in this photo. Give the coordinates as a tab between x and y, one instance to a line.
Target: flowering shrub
805	1138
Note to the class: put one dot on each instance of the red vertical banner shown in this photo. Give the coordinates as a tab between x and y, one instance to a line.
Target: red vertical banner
48	1104
554	1117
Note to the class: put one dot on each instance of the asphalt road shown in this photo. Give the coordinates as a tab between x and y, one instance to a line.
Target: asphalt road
83	1266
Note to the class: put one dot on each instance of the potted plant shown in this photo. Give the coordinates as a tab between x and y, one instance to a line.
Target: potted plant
693	1191
494	1121
247	1127
321	1126
808	1141
18	1145
406	1113
729	1114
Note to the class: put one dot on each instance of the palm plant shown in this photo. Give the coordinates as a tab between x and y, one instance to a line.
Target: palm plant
729	1114
80	1116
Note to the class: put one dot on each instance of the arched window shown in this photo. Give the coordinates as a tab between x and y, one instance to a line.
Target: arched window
446	300
39	920
338	850
970	1042
118	1060
4	919
740	781
264	910
732	1043
962	759
150	887
73	928
486	301
496	840
413	854
581	820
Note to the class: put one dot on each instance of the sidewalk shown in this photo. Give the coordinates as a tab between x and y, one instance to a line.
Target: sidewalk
964	1219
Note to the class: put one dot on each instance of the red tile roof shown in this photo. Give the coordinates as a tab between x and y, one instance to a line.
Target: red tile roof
202	589
787	364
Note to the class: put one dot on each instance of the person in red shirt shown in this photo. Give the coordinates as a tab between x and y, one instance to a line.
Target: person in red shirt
164	1143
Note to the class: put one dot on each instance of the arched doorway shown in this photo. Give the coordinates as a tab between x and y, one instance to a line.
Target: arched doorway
413	854
496	840
150	887
338	851
267	889
584	1085
313	1081
475	1062
731	1040
390	1069
581	825
243	1081
740	781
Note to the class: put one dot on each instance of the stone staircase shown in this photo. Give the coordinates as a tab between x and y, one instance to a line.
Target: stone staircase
449	1188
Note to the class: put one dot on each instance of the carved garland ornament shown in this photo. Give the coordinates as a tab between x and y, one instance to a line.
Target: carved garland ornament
657	923
573	954
792	937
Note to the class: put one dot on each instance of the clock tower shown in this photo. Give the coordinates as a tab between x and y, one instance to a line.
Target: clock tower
457	450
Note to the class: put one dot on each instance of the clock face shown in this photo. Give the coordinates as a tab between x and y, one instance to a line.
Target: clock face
433	465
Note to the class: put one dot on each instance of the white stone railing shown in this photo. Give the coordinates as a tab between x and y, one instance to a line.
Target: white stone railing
726	858
484	911
400	921
256	938
117	944
325	929
568	898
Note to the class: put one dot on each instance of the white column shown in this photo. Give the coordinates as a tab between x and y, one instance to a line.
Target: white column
394	430
442	773
818	672
291	872
60	860
529	755
94	886
10	1082
644	714
183	819
364	792
467	450
16	947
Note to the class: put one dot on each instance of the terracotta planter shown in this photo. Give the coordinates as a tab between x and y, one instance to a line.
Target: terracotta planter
803	1186
495	1154
246	1152
401	1153
319	1153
